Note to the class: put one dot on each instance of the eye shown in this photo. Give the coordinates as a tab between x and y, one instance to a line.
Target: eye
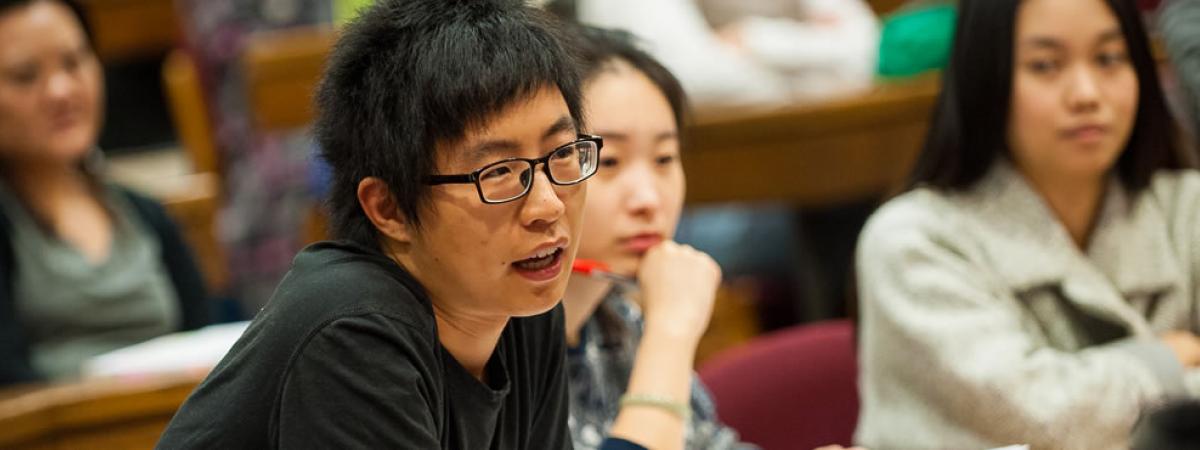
495	173
23	76
567	152
1043	66
1111	59
608	162
665	160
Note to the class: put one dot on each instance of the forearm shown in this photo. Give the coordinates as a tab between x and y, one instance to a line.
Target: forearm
663	368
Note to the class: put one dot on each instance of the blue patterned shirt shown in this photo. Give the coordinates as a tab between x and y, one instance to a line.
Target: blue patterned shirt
598	371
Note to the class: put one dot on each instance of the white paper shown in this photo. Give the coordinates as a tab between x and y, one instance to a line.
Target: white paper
189	351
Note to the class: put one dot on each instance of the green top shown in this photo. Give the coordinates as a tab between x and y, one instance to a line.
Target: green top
73	309
917	40
346	10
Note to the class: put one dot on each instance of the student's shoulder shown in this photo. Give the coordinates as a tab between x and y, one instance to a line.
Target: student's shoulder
336	295
922	212
1177	194
1176	190
329	280
925	222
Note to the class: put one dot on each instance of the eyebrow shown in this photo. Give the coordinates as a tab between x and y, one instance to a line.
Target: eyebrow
1055	44
562	125
486	149
615	136
1108	36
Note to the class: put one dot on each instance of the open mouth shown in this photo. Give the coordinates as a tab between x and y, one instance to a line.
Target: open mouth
546	259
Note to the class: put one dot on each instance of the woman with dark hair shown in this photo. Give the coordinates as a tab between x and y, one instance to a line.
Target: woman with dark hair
1038	282
85	266
630	367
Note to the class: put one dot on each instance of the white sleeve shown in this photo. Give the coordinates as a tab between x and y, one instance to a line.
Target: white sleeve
842	37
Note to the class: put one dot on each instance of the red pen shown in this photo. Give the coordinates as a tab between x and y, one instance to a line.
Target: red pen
597	269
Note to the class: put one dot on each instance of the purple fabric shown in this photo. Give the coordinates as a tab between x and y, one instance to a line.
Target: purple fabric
265	186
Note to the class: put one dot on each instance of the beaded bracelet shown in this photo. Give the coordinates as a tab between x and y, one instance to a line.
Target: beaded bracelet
677	409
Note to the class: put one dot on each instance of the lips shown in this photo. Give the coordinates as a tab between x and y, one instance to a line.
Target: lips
66	122
640	243
540	261
1085	133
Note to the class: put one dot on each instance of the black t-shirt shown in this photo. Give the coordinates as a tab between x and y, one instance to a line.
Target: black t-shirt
346	355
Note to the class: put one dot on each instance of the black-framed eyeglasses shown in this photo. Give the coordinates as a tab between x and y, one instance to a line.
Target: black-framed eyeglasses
510	179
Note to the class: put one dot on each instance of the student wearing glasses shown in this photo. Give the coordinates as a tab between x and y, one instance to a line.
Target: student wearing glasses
1039	282
630	367
452	130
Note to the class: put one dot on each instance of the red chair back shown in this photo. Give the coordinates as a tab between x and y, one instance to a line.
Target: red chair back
791	389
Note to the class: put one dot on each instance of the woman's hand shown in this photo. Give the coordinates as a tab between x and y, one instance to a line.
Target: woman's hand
678	284
1185	345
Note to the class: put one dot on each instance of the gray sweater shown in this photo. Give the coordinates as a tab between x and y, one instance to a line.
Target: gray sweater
983	324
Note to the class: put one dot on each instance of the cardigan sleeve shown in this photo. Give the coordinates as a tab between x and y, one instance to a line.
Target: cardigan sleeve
1179	193
180	264
619	444
15	366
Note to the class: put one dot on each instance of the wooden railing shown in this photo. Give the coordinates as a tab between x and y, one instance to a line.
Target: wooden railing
130	29
808	154
99	414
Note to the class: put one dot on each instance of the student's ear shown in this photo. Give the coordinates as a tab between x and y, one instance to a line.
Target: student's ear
379	205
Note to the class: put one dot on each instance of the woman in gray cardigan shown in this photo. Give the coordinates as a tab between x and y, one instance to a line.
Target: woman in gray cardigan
1038	282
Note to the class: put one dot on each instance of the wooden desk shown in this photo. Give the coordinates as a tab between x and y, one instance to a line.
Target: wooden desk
282	71
109	414
885	7
129	29
814	155
808	155
193	201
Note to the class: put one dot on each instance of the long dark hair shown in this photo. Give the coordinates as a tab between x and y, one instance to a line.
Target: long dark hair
970	121
596	50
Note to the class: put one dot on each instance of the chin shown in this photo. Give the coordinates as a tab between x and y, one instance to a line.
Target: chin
73	151
1087	168
541	302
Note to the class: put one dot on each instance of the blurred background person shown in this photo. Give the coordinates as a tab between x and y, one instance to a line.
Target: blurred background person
1179	24
739	53
626	344
265	181
86	266
1037	283
735	56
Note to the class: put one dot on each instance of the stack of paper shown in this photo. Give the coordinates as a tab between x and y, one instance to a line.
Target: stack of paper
189	351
